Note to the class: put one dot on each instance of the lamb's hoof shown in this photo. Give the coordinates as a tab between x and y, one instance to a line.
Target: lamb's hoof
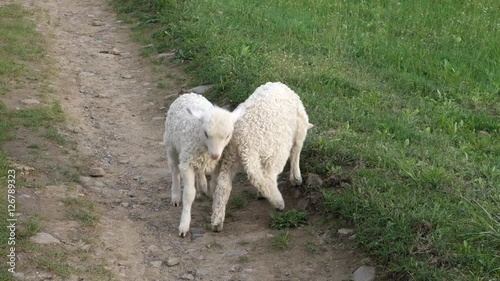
183	231
176	204
296	182
217	227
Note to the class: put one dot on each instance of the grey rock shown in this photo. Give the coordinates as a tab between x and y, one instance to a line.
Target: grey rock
200	90
248	270
165	55
44	238
364	273
352	237
126	76
19	275
157	118
235	253
96	172
30	101
187	276
172	262
314	180
202	272
124	204
345	231
97	23
156	264
196	233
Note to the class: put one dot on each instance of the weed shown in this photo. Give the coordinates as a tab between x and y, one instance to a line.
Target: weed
313	248
282	240
239	202
243	242
289	219
243	259
81	210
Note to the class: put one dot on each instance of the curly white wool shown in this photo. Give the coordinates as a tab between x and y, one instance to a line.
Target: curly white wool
196	133
273	129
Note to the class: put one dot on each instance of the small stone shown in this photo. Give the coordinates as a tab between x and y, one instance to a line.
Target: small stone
172	262
96	172
248	270
124	204
364	273
126	76
235	253
156	264
484	134
345	231
116	52
18	275
200	90
165	55
157	118
44	238
187	276
98	23
202	272
235	268
196	233
30	101
352	237
314	180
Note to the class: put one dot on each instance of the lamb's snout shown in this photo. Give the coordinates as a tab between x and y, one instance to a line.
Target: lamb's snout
215	156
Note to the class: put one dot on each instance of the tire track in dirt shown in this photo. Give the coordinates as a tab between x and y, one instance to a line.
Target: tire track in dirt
111	101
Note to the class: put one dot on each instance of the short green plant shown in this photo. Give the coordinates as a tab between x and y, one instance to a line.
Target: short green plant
289	219
282	240
239	202
82	210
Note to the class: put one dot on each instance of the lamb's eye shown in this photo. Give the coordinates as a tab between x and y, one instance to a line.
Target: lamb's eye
206	135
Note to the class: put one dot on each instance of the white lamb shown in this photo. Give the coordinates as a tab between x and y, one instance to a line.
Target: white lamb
196	133
273	129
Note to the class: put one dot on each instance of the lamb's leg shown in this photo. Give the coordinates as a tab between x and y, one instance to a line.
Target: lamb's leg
173	164
201	183
298	142
213	179
221	194
265	182
187	200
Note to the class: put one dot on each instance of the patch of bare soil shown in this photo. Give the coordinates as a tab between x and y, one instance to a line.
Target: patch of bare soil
115	111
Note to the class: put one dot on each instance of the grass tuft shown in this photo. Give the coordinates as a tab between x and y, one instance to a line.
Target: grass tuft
283	240
289	219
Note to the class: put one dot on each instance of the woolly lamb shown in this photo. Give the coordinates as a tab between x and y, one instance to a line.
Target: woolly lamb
273	129
196	133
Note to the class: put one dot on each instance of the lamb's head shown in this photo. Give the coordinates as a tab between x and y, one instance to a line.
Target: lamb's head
217	126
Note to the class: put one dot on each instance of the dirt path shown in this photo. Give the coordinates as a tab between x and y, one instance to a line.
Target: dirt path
113	106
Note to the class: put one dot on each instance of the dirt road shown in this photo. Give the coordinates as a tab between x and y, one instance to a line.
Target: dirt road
115	111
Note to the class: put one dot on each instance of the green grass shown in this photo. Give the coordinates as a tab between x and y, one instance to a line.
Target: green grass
21	45
21	63
289	219
82	210
411	89
282	241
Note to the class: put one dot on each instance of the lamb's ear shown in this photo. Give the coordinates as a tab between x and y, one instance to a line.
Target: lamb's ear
238	112
197	113
309	126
